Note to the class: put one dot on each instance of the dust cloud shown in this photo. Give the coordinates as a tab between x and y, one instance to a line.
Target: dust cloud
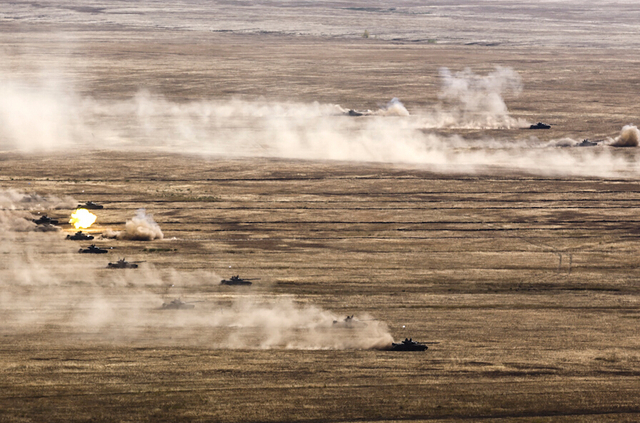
629	137
11	199
309	131
47	288
18	210
473	101
141	227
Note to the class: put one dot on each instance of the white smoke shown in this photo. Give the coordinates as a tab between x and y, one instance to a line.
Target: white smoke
141	227
629	137
393	108
474	101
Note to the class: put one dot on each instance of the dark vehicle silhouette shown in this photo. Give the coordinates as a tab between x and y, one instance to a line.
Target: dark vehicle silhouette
348	322
587	143
236	280
540	125
90	205
408	345
122	264
92	249
177	304
79	236
44	220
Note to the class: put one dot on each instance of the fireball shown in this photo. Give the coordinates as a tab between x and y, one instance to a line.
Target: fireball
82	218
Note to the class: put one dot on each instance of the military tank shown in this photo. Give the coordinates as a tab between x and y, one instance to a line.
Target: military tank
540	125
90	205
236	280
122	264
92	249
80	236
408	344
177	304
45	220
587	143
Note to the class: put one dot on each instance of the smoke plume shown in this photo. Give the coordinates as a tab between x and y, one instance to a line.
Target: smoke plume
629	137
474	101
141	227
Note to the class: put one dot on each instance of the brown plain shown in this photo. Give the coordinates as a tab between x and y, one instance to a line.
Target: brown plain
526	287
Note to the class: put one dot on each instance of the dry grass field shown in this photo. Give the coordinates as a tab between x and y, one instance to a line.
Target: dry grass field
514	261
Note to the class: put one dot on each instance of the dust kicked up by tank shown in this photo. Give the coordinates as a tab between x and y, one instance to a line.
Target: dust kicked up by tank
468	129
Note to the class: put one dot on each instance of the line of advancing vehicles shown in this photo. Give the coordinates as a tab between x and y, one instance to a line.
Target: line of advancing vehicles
350	322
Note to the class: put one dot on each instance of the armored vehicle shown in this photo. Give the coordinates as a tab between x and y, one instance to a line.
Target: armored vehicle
587	143
90	205
236	280
408	345
540	125
44	220
92	249
177	304
122	264
79	236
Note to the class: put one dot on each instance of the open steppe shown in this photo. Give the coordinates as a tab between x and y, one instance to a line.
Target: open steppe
524	281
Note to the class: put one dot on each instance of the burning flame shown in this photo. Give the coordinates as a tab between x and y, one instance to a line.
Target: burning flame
82	218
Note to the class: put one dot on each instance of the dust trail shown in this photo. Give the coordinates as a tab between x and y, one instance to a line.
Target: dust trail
310	131
47	288
16	209
11	199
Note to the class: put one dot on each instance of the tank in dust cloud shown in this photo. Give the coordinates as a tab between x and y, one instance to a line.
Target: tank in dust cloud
90	205
122	264
177	304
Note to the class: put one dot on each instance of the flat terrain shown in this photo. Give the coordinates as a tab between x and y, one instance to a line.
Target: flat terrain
514	261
